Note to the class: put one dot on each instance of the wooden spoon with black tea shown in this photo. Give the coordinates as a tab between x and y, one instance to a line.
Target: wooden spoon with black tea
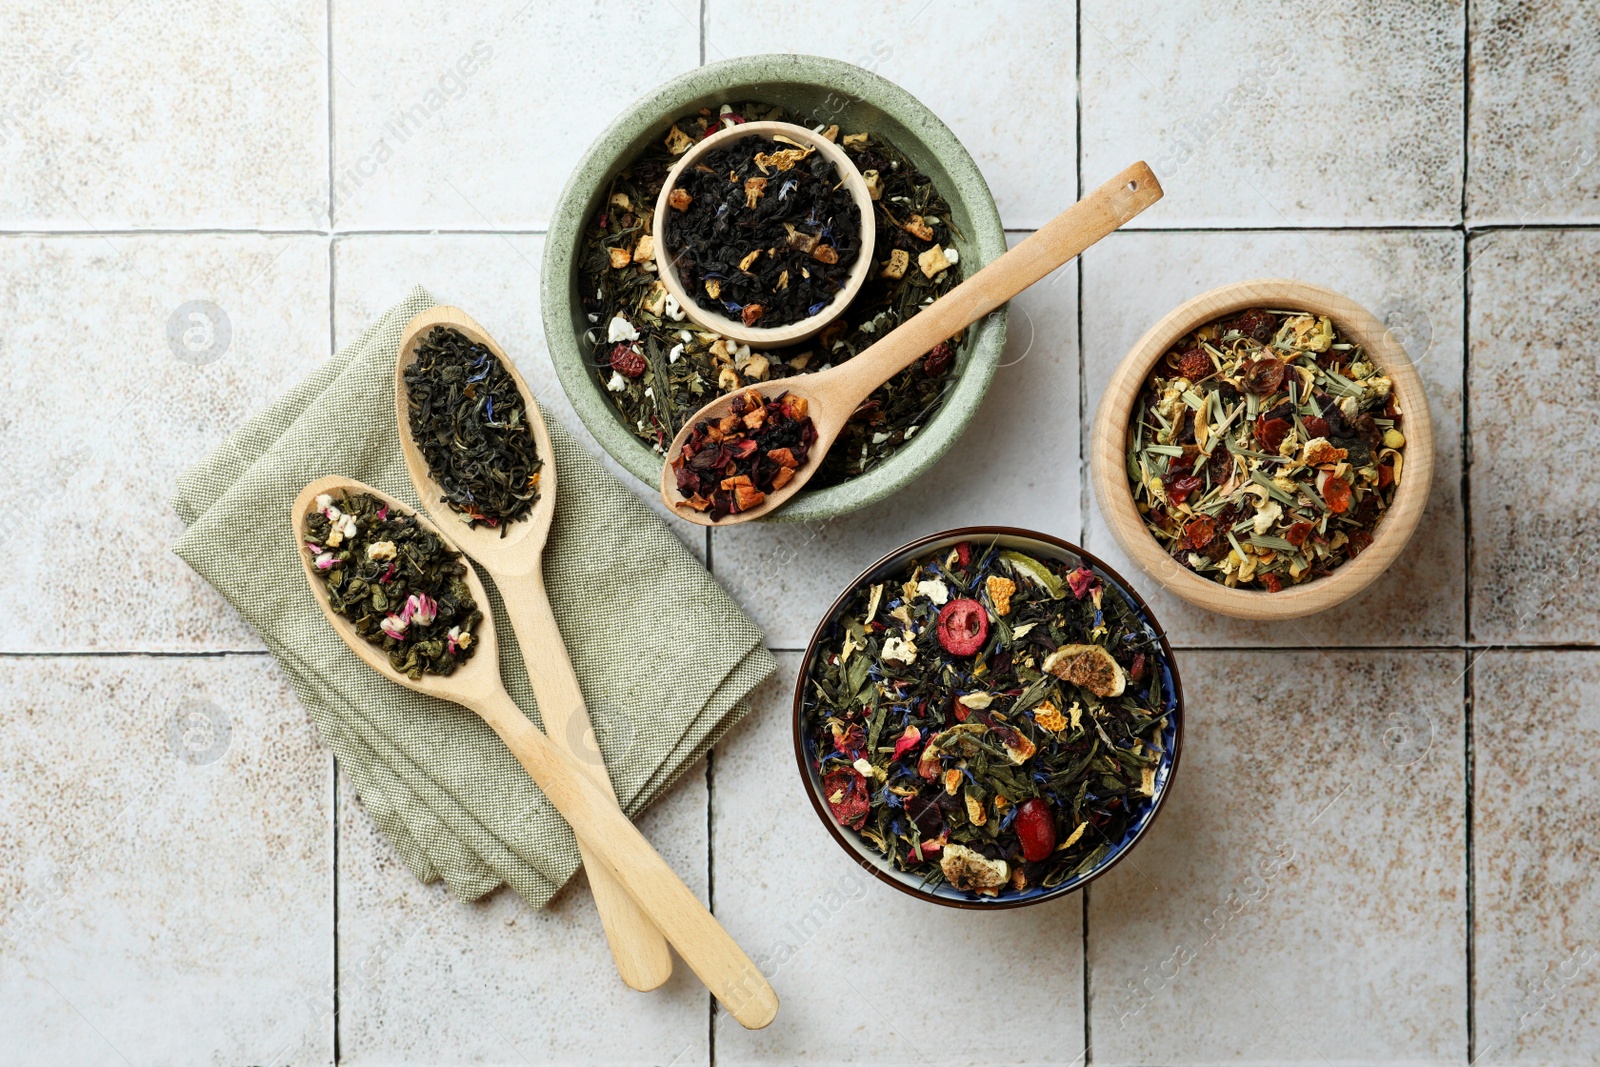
515	562
833	395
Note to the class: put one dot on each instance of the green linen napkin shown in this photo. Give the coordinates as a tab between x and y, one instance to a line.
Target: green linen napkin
665	658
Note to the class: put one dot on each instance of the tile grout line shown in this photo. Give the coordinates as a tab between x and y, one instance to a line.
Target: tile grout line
332	301
1469	686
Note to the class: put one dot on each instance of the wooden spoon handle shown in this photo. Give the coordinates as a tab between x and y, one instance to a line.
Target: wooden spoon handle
1047	248
702	942
639	949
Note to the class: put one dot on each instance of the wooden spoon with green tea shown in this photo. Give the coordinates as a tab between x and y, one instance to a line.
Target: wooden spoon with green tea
611	842
512	554
833	395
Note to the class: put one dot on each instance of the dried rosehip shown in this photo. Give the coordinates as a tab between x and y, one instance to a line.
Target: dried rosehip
1271	432
627	362
1257	324
1272	582
1178	489
1036	829
1385	475
1316	426
1195	364
1360	541
1198	533
1336	491
963	626
1263	376
937	361
1296	535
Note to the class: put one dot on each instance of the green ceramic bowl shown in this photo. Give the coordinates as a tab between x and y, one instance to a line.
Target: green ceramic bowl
821	90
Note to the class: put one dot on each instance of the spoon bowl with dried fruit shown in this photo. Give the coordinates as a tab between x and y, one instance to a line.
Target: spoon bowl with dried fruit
744	455
764	233
462	666
498	498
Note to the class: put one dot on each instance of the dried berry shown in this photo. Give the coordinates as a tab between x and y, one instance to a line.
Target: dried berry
846	793
938	361
1036	829
1262	375
1179	488
1256	324
963	627
1271	432
1336	492
627	362
1195	364
1199	532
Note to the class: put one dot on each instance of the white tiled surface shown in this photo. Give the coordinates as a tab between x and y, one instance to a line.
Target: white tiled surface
1411	769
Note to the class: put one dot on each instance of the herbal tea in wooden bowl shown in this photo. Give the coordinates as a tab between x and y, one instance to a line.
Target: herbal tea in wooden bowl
1265	450
988	718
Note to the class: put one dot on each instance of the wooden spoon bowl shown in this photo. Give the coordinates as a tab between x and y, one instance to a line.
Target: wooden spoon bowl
602	829
1108	455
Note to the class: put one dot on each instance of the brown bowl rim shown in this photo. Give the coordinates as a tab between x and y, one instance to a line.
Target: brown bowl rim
1109	442
769	337
972	533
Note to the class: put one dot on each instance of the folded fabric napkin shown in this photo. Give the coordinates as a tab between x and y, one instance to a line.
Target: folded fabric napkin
664	657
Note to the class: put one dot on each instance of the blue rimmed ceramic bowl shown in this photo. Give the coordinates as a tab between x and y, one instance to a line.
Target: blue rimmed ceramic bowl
816	90
828	635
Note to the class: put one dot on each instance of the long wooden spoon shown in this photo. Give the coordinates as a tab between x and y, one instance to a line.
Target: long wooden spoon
833	395
612	841
515	563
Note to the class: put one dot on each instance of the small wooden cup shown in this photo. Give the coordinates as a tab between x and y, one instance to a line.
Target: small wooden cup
1109	451
776	336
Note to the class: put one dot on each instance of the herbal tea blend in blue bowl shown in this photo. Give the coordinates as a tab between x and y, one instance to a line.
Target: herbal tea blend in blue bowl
988	717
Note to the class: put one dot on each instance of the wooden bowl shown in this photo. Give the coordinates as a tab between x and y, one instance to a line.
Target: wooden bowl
1108	451
776	336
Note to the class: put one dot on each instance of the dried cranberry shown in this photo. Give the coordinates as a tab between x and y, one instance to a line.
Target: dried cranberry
1036	829
939	359
963	626
626	362
964	554
1139	668
1263	375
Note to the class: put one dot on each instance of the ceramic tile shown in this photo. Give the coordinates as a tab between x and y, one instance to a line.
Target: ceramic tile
128	358
1533	132
1533	534
166	864
1535	841
837	943
496	279
472	117
1302	899
977	66
1311	114
1016	465
1413	281
496	982
120	113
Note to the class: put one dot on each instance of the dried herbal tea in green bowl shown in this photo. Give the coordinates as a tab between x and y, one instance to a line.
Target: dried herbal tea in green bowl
400	586
995	723
658	368
469	422
763	230
1265	449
